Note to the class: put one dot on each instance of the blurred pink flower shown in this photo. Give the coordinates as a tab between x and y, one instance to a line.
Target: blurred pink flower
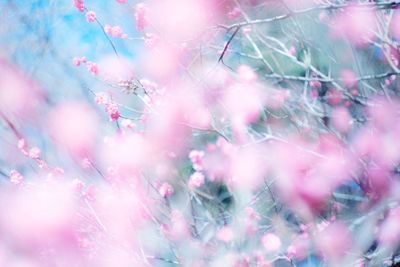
196	180
16	177
79	4
271	242
166	190
91	16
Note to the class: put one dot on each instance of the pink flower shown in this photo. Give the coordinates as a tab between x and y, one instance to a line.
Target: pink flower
126	123
90	16
292	51
349	78
79	4
151	40
334	240
86	164
122	1
247	30
113	112
76	61
16	177
323	17
23	146
225	234
101	98
141	16
107	29
196	180
77	185
166	190
315	84
271	242
252	214
341	119
234	13
92	67
357	24
34	153
246	73
334	96
116	31
197	159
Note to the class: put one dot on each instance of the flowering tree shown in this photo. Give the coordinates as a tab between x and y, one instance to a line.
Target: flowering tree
199	133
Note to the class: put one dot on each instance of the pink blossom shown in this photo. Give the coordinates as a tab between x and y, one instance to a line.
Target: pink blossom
78	185
341	119
73	127
179	229
323	17
334	240
122	1
23	146
246	73
90	16
34	153
349	78
334	96
300	246
196	180
357	24
107	29
315	84
292	51
126	123
101	98
16	177
271	242
196	157
19	95
234	13
116	31
247	30
92	67
79	4
225	234
151	40
77	61
86	164
252	214
314	93
175	19
166	190
141	16
113	112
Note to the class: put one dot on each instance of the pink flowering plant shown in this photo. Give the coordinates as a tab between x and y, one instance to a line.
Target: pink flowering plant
200	133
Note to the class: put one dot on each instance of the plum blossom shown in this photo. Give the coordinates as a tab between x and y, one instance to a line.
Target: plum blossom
271	242
196	157
90	16
196	180
112	110
34	153
92	67
16	177
141	16
80	5
166	190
